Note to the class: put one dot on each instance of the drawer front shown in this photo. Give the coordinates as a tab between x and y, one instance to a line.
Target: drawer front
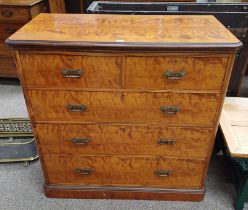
7	67
13	14
64	71
6	29
79	106
124	140
5	49
123	171
191	73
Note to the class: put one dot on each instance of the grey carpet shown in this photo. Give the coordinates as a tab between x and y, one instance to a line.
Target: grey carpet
21	188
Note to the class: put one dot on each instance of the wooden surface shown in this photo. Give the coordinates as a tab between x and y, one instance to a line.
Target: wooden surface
234	126
139	31
57	6
123	171
13	15
123	119
115	107
19	2
133	72
124	140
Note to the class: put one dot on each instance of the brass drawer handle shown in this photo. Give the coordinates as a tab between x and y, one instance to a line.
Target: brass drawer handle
7	13
76	108
166	141
170	110
80	141
10	30
163	173
69	73
84	171
174	75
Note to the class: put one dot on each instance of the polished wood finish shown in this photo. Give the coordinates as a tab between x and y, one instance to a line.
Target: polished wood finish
147	72
57	6
97	71
114	109
124	139
99	31
123	171
13	15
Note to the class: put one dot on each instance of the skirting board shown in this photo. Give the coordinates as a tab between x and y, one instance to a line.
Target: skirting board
130	193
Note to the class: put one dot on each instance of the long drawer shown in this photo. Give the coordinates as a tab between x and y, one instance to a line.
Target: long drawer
124	171
124	107
136	140
14	14
72	71
175	72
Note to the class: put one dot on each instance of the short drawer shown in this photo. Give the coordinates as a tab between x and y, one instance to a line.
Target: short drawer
173	72
64	71
121	171
125	107
5	49
7	67
14	14
97	139
7	29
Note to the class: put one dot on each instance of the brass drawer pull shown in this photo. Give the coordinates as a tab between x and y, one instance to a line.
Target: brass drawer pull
174	75
68	73
76	108
170	110
84	171
166	141
163	173
7	13
80	141
10	30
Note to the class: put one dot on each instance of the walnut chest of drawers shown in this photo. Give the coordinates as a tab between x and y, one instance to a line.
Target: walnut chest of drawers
124	106
13	15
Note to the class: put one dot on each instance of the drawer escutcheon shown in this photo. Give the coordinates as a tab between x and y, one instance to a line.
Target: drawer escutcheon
163	173
7	13
76	108
71	73
80	141
169	110
166	141
84	171
174	75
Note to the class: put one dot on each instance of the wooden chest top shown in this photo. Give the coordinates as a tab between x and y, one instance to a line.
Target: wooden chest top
115	31
19	2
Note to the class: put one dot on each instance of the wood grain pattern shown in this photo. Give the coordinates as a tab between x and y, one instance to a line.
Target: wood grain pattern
7	67
123	140
14	14
129	193
20	2
124	107
124	171
57	6
139	31
204	73
46	71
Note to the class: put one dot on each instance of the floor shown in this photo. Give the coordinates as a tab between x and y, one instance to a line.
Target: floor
21	187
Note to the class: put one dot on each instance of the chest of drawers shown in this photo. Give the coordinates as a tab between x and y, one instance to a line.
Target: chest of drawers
124	106
13	15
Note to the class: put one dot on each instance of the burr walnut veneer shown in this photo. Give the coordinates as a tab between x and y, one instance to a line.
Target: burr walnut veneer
124	106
